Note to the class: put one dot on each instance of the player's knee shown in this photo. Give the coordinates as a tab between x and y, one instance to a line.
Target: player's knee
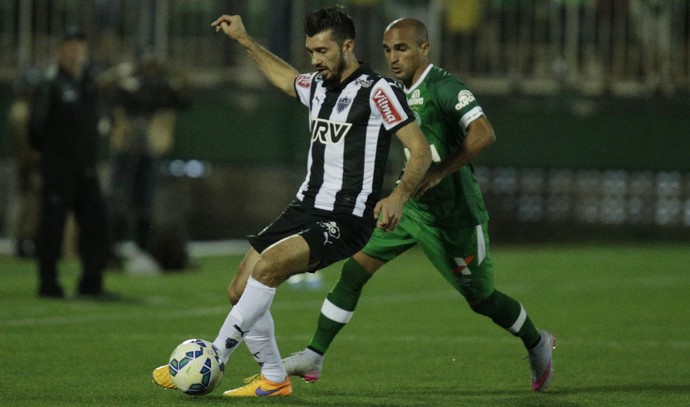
365	262
481	304
234	294
269	271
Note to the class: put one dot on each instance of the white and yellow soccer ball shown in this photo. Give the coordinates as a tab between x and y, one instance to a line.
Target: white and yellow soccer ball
196	367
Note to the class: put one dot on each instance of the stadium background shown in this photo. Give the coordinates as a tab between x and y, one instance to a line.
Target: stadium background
589	100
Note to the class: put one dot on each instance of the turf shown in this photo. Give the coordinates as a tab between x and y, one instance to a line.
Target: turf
621	315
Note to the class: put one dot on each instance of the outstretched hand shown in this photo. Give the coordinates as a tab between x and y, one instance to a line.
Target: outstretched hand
278	72
232	26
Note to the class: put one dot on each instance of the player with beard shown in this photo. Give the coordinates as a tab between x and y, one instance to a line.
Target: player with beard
353	114
446	217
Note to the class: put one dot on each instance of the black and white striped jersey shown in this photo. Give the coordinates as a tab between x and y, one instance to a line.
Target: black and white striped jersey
351	128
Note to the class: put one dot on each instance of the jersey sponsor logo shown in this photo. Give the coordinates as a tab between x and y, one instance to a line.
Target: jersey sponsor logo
385	107
363	82
465	97
415	99
304	80
329	131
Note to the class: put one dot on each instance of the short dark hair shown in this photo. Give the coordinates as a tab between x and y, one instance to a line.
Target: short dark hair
331	18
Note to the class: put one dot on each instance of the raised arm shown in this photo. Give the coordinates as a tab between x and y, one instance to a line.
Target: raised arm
278	72
389	210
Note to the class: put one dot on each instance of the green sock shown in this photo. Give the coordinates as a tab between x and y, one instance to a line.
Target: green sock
509	314
340	304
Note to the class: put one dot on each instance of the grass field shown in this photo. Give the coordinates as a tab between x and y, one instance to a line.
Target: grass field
621	315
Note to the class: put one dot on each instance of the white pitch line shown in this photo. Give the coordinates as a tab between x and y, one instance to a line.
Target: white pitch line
566	342
284	305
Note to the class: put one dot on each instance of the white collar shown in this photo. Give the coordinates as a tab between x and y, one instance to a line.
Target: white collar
421	79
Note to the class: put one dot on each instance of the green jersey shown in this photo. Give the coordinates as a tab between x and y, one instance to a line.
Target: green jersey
444	107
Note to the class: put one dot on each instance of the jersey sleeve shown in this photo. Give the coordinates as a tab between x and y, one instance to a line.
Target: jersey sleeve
388	101
303	85
458	102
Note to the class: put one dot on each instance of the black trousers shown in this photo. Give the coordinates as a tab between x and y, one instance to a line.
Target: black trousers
67	189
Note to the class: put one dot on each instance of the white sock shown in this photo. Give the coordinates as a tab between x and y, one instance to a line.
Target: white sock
261	342
253	304
313	356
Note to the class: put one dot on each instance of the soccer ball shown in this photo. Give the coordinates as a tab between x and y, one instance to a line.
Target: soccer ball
196	367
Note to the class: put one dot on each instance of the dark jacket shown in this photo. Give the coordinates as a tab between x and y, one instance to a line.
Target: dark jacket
64	119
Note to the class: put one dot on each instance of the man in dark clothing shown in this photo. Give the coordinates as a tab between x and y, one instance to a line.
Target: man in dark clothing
64	129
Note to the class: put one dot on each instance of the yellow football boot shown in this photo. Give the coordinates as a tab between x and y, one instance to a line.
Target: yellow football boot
259	386
161	376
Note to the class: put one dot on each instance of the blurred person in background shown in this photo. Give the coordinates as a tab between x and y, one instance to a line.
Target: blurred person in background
145	100
463	21
446	217
64	130
26	158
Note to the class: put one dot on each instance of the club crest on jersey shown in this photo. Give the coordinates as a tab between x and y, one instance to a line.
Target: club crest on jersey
415	99
329	131
385	107
343	103
465	97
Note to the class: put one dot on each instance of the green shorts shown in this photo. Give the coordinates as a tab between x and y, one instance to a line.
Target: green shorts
461	255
